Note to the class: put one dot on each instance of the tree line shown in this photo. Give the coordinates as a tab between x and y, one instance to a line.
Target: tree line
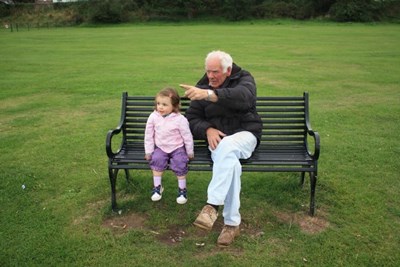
118	11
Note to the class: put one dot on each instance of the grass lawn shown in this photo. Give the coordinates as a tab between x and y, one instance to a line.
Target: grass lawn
60	91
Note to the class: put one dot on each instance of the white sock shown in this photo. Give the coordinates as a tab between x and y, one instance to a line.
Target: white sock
156	180
182	183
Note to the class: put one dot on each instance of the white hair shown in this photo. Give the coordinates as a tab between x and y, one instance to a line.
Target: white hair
224	58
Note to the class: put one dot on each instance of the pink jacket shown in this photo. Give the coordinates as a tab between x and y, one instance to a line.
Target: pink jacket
167	133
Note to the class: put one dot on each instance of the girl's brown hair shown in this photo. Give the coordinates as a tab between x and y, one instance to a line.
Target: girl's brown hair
173	95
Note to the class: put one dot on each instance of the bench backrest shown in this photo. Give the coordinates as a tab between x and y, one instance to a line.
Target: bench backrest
284	119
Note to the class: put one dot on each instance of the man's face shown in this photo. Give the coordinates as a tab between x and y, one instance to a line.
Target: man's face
215	74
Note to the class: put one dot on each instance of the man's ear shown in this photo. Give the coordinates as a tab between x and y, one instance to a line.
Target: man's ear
229	71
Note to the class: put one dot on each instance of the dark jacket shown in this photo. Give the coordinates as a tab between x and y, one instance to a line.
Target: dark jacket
234	111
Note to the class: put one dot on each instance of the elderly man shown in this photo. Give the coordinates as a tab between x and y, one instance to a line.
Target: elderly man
223	112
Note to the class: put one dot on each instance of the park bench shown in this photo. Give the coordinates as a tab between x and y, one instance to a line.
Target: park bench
288	143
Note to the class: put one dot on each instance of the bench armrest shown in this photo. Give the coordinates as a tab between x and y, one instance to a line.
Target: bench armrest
315	153
109	137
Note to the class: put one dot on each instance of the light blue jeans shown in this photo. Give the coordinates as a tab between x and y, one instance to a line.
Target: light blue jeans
224	188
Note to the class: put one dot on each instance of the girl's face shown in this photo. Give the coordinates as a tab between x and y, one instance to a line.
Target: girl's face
164	105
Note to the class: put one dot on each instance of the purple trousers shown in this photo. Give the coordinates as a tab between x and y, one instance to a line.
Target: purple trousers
177	160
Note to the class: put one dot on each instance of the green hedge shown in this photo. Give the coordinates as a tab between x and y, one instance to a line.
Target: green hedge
357	10
117	11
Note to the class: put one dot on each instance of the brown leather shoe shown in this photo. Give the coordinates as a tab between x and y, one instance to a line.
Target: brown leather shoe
206	218
227	235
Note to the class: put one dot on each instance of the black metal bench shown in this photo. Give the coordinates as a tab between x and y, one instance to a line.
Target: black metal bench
284	146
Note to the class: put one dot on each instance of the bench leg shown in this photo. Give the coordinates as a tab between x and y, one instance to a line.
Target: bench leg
128	177
113	181
313	182
302	178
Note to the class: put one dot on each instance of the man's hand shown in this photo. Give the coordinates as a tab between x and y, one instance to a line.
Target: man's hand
194	93
214	136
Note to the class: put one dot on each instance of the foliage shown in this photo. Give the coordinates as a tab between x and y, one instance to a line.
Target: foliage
237	9
117	11
356	10
391	9
24	1
5	10
193	8
321	7
300	9
105	11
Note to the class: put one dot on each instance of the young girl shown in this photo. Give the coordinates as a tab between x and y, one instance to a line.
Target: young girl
168	140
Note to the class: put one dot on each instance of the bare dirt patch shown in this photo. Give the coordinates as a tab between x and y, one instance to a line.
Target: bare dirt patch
129	221
175	234
308	224
171	236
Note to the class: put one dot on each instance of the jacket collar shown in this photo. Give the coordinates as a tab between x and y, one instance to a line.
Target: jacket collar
171	115
235	74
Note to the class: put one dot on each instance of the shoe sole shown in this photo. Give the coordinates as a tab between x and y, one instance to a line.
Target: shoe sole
201	226
181	202
227	245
